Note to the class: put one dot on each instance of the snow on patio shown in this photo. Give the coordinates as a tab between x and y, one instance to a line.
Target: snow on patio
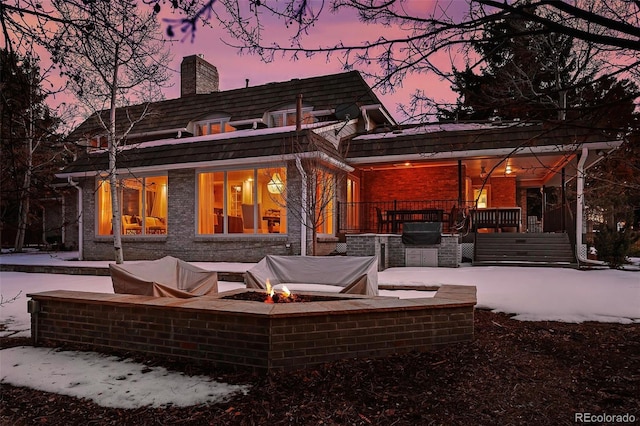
529	293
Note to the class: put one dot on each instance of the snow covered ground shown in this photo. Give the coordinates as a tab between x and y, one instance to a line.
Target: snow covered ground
529	293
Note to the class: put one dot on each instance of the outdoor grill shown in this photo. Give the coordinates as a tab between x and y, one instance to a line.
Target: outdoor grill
421	233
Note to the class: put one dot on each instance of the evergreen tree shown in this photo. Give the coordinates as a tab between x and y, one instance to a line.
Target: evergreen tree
527	73
29	155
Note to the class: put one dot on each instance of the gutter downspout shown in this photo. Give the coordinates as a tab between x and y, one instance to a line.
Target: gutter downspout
80	217
579	207
303	177
303	211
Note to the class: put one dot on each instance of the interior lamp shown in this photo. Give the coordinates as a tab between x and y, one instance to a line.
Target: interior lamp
275	185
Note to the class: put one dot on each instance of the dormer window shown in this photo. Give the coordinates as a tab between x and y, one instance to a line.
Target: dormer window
287	117
97	142
213	127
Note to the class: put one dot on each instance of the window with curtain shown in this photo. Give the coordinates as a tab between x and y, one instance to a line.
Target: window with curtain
247	201
143	202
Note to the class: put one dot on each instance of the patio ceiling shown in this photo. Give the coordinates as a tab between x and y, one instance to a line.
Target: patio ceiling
531	170
535	152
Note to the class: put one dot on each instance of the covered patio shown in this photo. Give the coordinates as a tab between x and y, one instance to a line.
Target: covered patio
472	178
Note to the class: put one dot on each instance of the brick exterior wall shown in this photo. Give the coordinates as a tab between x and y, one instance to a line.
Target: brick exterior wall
181	240
503	192
266	337
419	183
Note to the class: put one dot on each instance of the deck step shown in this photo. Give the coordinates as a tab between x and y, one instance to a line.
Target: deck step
543	249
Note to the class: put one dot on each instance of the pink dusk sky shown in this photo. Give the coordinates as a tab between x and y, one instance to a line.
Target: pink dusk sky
235	68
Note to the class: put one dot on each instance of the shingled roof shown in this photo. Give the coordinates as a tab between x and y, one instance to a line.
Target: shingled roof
252	146
442	138
323	92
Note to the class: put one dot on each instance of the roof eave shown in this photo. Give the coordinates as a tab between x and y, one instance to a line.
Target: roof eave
605	145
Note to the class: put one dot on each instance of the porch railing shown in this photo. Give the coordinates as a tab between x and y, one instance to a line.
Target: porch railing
379	216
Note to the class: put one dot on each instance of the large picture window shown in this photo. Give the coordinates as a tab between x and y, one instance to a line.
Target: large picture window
248	201
143	202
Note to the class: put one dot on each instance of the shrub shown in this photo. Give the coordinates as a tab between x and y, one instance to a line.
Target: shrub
614	245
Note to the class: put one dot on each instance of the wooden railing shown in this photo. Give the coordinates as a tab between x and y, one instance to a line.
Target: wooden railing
497	218
388	216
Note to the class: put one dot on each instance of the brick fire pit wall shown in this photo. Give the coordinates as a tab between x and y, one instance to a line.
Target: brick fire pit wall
253	335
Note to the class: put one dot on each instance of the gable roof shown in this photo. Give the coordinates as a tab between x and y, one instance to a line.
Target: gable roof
323	92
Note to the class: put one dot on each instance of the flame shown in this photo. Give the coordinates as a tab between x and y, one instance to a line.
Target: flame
284	294
270	292
285	291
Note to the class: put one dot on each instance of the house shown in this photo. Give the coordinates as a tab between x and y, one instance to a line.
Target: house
300	166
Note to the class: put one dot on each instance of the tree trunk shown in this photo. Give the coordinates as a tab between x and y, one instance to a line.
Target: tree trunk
116	225
25	196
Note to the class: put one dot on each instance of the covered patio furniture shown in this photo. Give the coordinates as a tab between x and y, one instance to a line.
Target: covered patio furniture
348	274
422	233
166	277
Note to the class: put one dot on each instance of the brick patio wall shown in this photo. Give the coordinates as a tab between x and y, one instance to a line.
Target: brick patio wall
449	249
265	337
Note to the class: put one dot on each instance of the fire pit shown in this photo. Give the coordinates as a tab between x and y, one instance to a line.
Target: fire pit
229	330
254	296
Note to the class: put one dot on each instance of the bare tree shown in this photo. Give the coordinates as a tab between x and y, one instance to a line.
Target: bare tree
310	196
117	57
423	34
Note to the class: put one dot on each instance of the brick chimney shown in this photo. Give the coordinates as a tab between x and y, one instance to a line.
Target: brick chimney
197	76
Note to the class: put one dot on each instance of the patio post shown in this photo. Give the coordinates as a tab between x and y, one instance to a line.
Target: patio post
459	183
564	202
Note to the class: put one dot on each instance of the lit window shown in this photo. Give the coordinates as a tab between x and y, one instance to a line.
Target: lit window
288	117
143	202
242	201
324	202
481	198
213	127
98	142
353	201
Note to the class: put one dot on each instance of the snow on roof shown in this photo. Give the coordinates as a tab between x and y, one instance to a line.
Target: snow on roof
222	136
439	127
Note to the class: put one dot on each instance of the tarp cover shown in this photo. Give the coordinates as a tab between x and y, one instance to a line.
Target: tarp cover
356	275
421	233
166	277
